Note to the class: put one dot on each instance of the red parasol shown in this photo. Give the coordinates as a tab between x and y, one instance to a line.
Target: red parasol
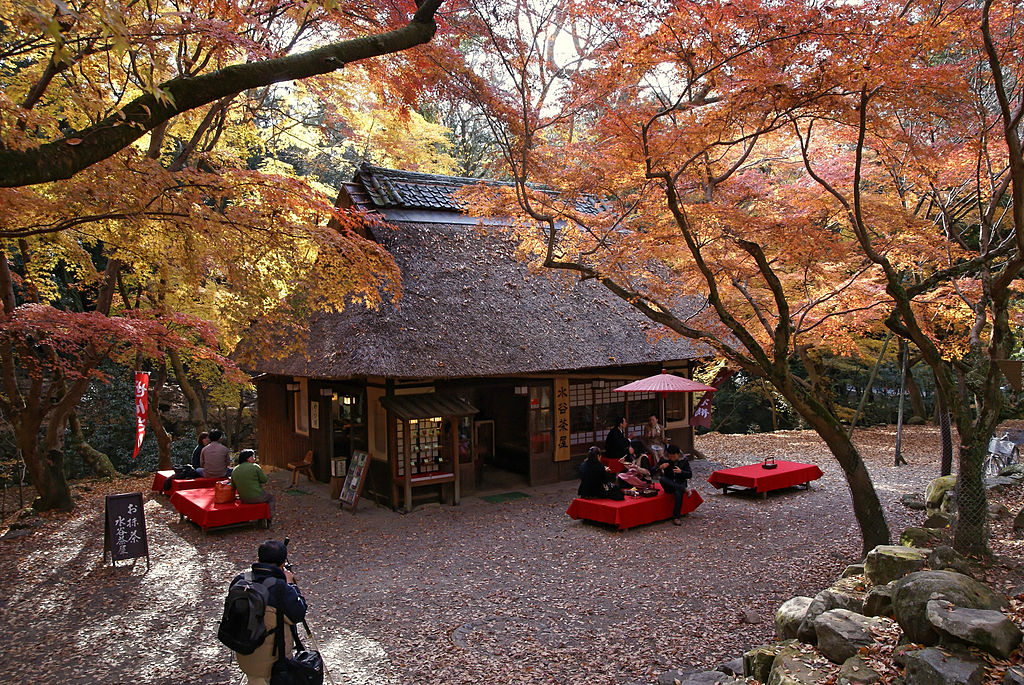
665	382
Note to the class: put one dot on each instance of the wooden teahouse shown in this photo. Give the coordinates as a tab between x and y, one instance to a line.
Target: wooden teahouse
482	376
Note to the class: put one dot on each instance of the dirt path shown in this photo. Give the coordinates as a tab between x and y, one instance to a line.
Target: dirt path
514	592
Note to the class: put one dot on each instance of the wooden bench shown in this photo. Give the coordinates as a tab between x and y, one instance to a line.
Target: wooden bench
198	506
398	485
632	511
160	479
304	466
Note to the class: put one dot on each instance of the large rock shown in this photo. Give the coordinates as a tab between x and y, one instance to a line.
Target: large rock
911	595
757	663
945	558
853	570
913	501
935	495
1000	483
933	667
856	671
790	669
878	601
1018	520
789	617
842	633
1014	676
988	630
939	520
846	593
918	536
886	563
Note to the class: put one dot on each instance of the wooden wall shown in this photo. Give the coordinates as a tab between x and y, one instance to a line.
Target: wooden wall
275	428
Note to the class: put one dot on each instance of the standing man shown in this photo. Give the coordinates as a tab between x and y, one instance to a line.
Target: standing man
675	475
616	444
284	597
215	459
248	478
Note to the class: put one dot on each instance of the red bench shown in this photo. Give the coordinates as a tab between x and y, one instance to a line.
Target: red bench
199	507
632	511
161	477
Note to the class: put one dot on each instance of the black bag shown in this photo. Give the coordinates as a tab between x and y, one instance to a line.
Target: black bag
612	491
241	626
305	667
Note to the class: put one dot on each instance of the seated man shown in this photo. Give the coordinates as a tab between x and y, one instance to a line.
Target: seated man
215	458
675	475
248	479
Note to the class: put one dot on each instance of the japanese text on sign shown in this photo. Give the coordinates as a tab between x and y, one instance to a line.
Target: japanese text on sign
562	427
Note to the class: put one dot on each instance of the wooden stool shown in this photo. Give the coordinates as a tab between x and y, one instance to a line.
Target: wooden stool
304	466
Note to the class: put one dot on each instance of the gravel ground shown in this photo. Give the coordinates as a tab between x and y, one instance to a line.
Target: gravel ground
514	592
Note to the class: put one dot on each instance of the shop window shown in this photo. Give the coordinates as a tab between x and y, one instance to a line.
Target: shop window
676	406
424	440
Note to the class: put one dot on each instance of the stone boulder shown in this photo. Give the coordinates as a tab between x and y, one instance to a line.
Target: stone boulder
878	601
939	520
886	563
945	558
1012	471
1014	676
842	633
913	501
998	510
853	570
790	669
856	671
789	617
757	663
918	536
934	667
991	631
935	496
1018	520
1000	483
911	594
845	593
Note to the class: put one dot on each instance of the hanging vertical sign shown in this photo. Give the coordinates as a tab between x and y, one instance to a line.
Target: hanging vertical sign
562	418
141	408
702	412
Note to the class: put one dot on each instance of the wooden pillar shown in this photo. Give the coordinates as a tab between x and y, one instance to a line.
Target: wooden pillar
407	460
454	443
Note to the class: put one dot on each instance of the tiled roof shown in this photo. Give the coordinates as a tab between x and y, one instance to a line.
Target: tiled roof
379	188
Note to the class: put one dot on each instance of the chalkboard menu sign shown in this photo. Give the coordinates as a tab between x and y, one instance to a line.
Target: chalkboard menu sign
124	532
354	479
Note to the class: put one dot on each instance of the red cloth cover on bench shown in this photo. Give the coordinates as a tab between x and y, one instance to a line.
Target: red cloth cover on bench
786	474
191	484
198	506
632	511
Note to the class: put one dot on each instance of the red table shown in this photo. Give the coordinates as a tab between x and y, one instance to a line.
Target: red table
632	511
198	506
161	477
785	474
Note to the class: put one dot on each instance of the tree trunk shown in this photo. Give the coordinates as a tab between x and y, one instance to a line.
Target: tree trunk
100	462
195	407
970	535
163	440
866	506
914	393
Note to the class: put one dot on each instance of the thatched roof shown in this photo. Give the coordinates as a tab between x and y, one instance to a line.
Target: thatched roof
469	307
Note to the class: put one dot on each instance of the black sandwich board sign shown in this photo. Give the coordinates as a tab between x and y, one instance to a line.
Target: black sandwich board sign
124	531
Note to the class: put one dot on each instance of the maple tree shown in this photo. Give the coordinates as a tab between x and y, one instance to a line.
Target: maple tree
175	243
772	182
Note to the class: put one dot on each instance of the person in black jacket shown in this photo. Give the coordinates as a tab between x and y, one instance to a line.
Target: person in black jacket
284	596
616	444
594	476
675	477
204	440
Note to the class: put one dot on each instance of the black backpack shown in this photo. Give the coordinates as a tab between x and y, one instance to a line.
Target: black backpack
241	626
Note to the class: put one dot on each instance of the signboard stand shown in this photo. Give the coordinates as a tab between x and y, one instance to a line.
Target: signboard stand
124	528
358	465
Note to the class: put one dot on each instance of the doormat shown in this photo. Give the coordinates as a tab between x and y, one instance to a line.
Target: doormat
503	497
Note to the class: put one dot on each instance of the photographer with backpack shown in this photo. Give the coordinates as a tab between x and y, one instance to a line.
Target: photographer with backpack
255	599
